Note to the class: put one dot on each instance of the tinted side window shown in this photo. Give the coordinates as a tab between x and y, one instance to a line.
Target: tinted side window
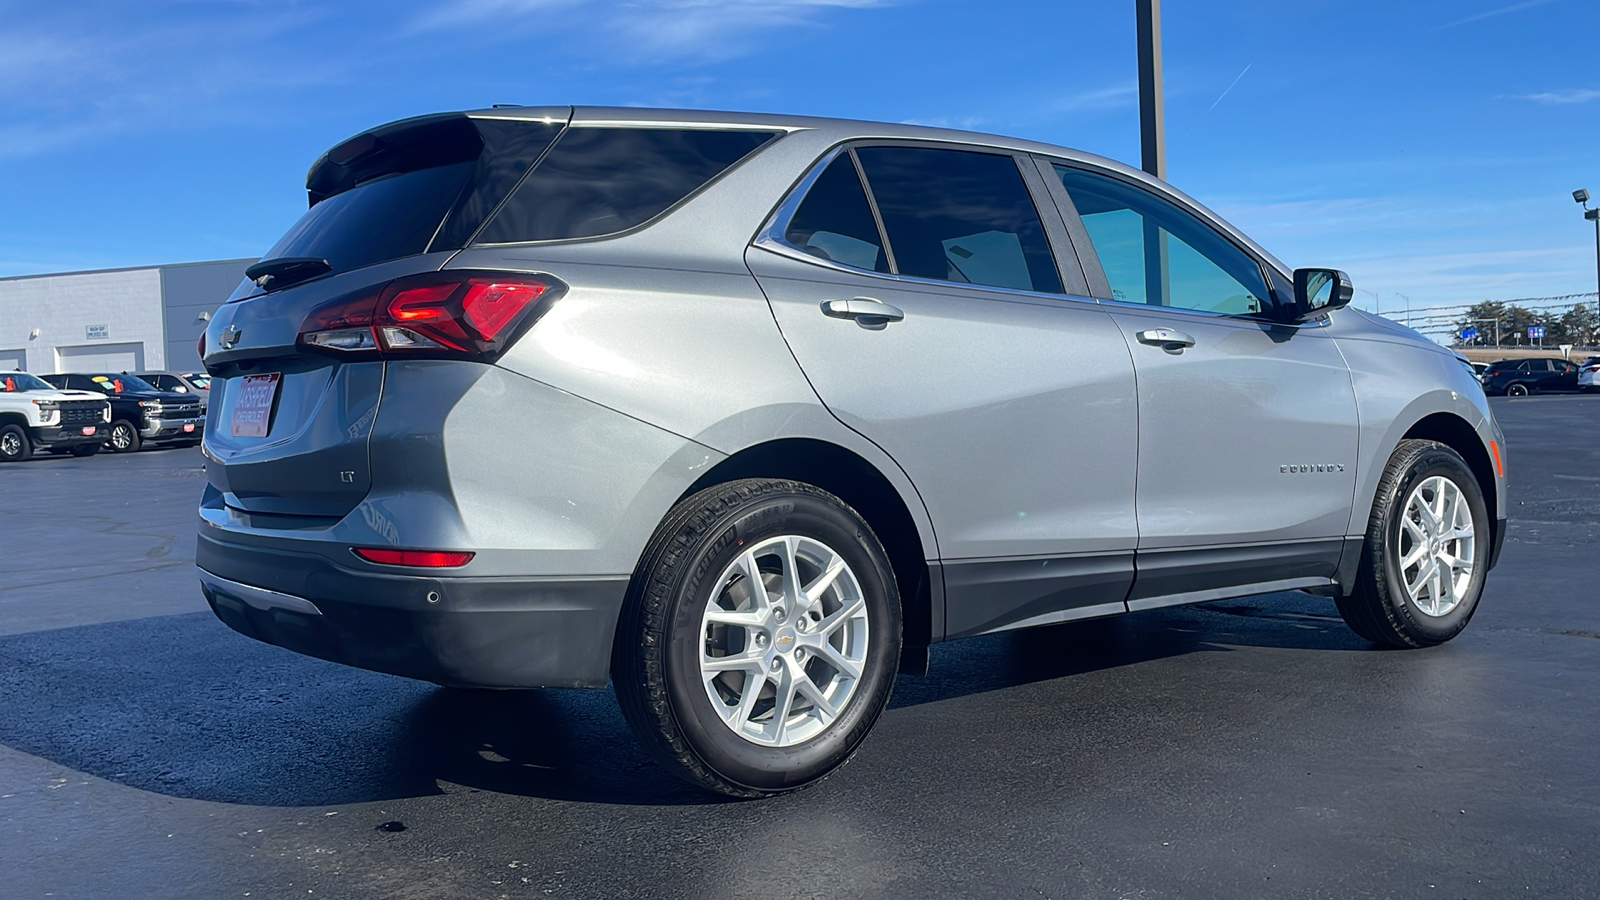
1155	253
598	181
955	215
834	221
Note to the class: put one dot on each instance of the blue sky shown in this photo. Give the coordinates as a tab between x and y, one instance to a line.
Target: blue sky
1428	148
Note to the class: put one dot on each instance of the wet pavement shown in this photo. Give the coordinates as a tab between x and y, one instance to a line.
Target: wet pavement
1244	748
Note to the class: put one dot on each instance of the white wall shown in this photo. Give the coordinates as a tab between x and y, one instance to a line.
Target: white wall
63	307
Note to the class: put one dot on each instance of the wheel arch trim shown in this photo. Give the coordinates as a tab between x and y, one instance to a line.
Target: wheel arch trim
884	497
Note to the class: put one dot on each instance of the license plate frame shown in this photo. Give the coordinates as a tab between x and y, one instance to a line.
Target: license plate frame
253	405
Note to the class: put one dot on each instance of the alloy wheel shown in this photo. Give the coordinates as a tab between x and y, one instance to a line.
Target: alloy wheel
1437	548
784	641
121	437
10	445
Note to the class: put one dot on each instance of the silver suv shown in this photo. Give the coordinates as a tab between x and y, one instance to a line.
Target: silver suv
744	413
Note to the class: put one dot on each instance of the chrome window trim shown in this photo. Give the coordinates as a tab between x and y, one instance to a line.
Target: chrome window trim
1256	320
771	236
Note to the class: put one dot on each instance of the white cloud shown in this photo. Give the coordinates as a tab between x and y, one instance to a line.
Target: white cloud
64	84
1562	98
643	31
1492	13
1113	97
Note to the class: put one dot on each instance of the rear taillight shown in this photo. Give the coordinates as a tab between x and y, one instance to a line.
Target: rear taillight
457	315
1591	368
421	559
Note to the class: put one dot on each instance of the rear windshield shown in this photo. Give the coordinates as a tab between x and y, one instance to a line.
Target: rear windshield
410	187
384	219
599	181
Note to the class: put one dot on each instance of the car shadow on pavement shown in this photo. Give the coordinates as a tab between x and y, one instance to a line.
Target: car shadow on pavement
181	706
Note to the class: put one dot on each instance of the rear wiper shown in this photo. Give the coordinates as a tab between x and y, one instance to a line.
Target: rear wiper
286	270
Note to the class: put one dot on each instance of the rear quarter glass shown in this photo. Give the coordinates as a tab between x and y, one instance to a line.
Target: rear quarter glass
600	181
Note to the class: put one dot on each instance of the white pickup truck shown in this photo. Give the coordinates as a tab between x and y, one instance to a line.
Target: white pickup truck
34	414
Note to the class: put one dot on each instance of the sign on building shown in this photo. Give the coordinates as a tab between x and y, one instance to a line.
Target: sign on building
97	332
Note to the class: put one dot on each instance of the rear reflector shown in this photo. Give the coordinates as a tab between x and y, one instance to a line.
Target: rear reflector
1499	468
421	559
447	315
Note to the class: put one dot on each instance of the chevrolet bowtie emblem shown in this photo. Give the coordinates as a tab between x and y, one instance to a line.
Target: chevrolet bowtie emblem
230	337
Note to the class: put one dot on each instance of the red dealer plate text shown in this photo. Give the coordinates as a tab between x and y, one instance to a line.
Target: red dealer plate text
252	411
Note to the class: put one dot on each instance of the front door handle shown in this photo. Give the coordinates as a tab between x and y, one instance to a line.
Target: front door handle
867	312
1168	339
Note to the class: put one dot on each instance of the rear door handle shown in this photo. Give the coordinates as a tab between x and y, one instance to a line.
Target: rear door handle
867	312
1166	338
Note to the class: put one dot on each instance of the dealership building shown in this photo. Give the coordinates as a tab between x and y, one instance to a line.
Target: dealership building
112	320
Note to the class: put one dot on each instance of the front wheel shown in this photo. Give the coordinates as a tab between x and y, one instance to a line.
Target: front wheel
124	437
14	443
1427	548
760	638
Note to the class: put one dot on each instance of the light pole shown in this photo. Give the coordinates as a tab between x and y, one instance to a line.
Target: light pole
1593	215
1152	124
1377	302
1408	308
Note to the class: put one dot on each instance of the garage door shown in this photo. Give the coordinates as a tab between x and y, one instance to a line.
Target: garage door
100	358
12	360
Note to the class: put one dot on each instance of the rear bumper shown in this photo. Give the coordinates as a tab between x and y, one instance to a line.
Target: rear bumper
492	632
69	435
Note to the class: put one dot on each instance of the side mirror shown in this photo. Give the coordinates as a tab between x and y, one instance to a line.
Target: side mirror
1317	291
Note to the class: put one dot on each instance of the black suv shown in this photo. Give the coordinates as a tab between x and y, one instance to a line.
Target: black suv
140	413
1521	377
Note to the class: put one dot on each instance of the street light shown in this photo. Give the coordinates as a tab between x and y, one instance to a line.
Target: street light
1582	197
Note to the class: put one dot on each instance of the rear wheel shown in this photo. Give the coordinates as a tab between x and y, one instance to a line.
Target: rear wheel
1517	390
1427	547
124	437
760	638
14	443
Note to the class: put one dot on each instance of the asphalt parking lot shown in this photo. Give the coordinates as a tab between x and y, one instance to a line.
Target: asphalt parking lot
1244	748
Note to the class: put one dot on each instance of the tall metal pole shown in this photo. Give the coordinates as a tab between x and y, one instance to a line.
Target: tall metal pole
1595	215
1152	125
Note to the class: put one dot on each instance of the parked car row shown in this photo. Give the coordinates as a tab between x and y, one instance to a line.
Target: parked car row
1524	377
81	413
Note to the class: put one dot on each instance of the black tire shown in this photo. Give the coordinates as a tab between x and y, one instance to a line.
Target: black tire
1379	608
659	642
14	443
86	449
1518	389
124	438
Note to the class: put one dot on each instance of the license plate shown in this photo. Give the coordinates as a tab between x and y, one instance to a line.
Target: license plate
252	409
88	431
189	426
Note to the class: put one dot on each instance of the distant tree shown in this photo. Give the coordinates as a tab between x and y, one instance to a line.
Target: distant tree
1579	325
1492	310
